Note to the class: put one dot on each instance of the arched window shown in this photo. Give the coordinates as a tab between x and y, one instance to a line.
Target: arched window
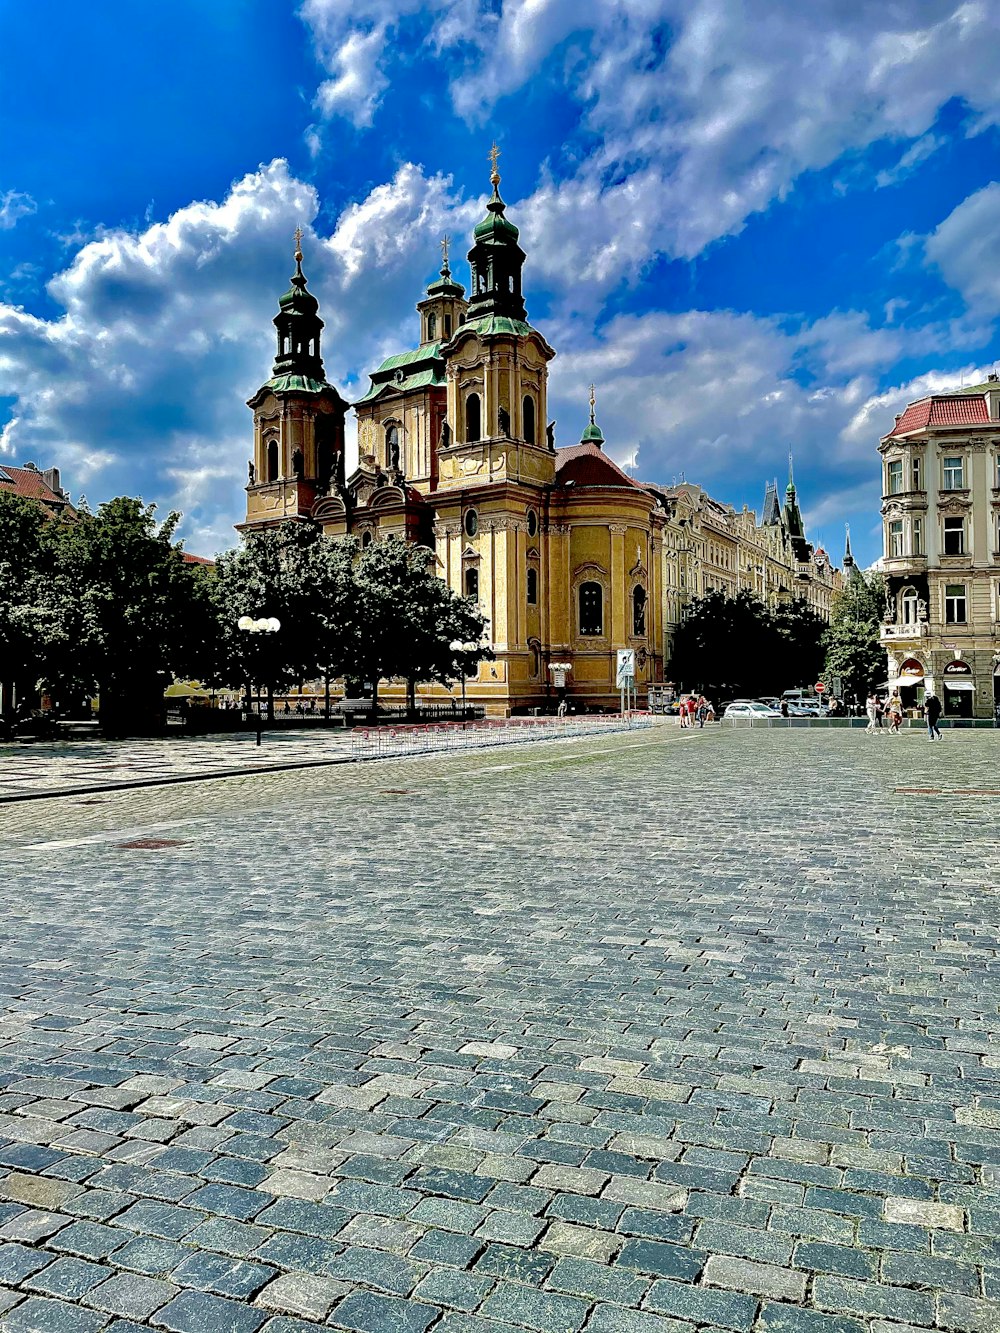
532	523
532	586
639	612
392	447
285	344
447	326
591	609
908	606
471	523
473	424
528	417
432	325
535	661
472	582
272	460
366	540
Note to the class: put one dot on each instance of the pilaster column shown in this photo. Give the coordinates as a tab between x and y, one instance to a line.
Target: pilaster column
619	593
559	590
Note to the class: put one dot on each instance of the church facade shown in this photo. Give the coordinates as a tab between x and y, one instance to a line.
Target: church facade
562	549
570	558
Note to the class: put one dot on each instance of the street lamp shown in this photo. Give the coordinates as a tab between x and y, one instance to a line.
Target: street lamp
267	625
462	650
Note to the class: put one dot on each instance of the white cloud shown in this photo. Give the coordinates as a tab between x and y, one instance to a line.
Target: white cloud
15	205
140	385
966	249
696	113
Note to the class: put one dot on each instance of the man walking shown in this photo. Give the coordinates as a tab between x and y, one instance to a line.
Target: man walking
932	712
871	708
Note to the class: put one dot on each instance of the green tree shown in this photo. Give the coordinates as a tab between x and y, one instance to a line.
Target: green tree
22	568
800	651
408	618
112	611
854	652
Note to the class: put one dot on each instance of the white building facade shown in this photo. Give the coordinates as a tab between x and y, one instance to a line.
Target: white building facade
941	543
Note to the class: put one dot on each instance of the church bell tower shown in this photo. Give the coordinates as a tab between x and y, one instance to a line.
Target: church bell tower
298	455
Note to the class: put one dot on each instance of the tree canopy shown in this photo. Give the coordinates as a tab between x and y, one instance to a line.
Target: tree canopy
737	646
854	652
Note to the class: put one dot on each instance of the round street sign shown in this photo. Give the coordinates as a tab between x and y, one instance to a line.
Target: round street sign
820	687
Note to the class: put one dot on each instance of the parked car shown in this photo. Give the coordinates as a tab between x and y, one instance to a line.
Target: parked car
750	711
802	710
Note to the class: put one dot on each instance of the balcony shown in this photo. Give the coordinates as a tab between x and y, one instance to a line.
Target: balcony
904	564
908	632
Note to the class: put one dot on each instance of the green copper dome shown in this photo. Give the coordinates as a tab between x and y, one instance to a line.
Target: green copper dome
496	226
592	434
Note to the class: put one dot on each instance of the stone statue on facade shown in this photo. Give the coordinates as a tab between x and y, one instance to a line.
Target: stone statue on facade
550	434
251	473
890	608
444	436
503	417
297	462
921	608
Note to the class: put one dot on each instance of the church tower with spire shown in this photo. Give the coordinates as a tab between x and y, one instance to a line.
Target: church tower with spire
298	454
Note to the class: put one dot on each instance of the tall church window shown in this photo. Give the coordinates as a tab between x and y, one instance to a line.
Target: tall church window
528	417
473	419
639	612
472	583
432	326
447	326
532	586
272	460
591	609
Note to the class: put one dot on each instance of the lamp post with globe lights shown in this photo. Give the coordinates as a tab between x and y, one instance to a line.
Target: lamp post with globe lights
462	650
265	625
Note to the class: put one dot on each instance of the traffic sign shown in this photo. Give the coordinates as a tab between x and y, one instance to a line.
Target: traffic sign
820	687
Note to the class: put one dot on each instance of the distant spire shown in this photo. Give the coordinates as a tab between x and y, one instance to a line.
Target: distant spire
848	554
791	477
593	433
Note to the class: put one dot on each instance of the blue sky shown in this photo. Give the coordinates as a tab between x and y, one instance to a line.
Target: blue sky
755	226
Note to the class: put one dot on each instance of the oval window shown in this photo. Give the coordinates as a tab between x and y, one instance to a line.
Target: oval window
471	523
532	523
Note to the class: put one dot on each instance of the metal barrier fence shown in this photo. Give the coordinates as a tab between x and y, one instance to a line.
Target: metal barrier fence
394	742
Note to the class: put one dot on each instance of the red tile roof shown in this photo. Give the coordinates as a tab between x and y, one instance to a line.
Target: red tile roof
30	483
967	409
190	559
589	465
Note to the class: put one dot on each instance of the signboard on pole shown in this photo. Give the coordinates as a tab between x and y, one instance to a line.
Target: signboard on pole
625	672
820	687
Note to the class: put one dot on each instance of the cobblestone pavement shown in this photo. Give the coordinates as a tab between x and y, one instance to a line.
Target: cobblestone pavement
656	1033
46	766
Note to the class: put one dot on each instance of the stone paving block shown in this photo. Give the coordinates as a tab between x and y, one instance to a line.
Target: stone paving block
373	1268
844	1296
198	1312
18	1262
702	1305
967	1314
539	1310
223	1276
302	1294
597	1282
795	1319
39	1314
916	1212
453	1289
368	1312
613	1319
506	1261
757	1279
130	1295
581	1242
67	1279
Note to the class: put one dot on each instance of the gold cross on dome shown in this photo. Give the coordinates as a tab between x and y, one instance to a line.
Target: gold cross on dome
298	242
445	243
493	154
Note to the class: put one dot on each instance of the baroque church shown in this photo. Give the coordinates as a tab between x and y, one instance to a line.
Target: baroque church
561	548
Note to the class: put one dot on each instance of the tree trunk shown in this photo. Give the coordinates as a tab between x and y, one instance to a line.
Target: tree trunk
411	697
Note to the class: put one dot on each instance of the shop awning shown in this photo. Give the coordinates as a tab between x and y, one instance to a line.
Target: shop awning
958	684
901	682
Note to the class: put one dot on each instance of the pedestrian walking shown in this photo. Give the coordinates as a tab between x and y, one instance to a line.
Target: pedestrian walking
701	711
894	712
872	710
784	708
932	712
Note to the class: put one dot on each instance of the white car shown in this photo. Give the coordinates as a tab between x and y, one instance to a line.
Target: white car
752	712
